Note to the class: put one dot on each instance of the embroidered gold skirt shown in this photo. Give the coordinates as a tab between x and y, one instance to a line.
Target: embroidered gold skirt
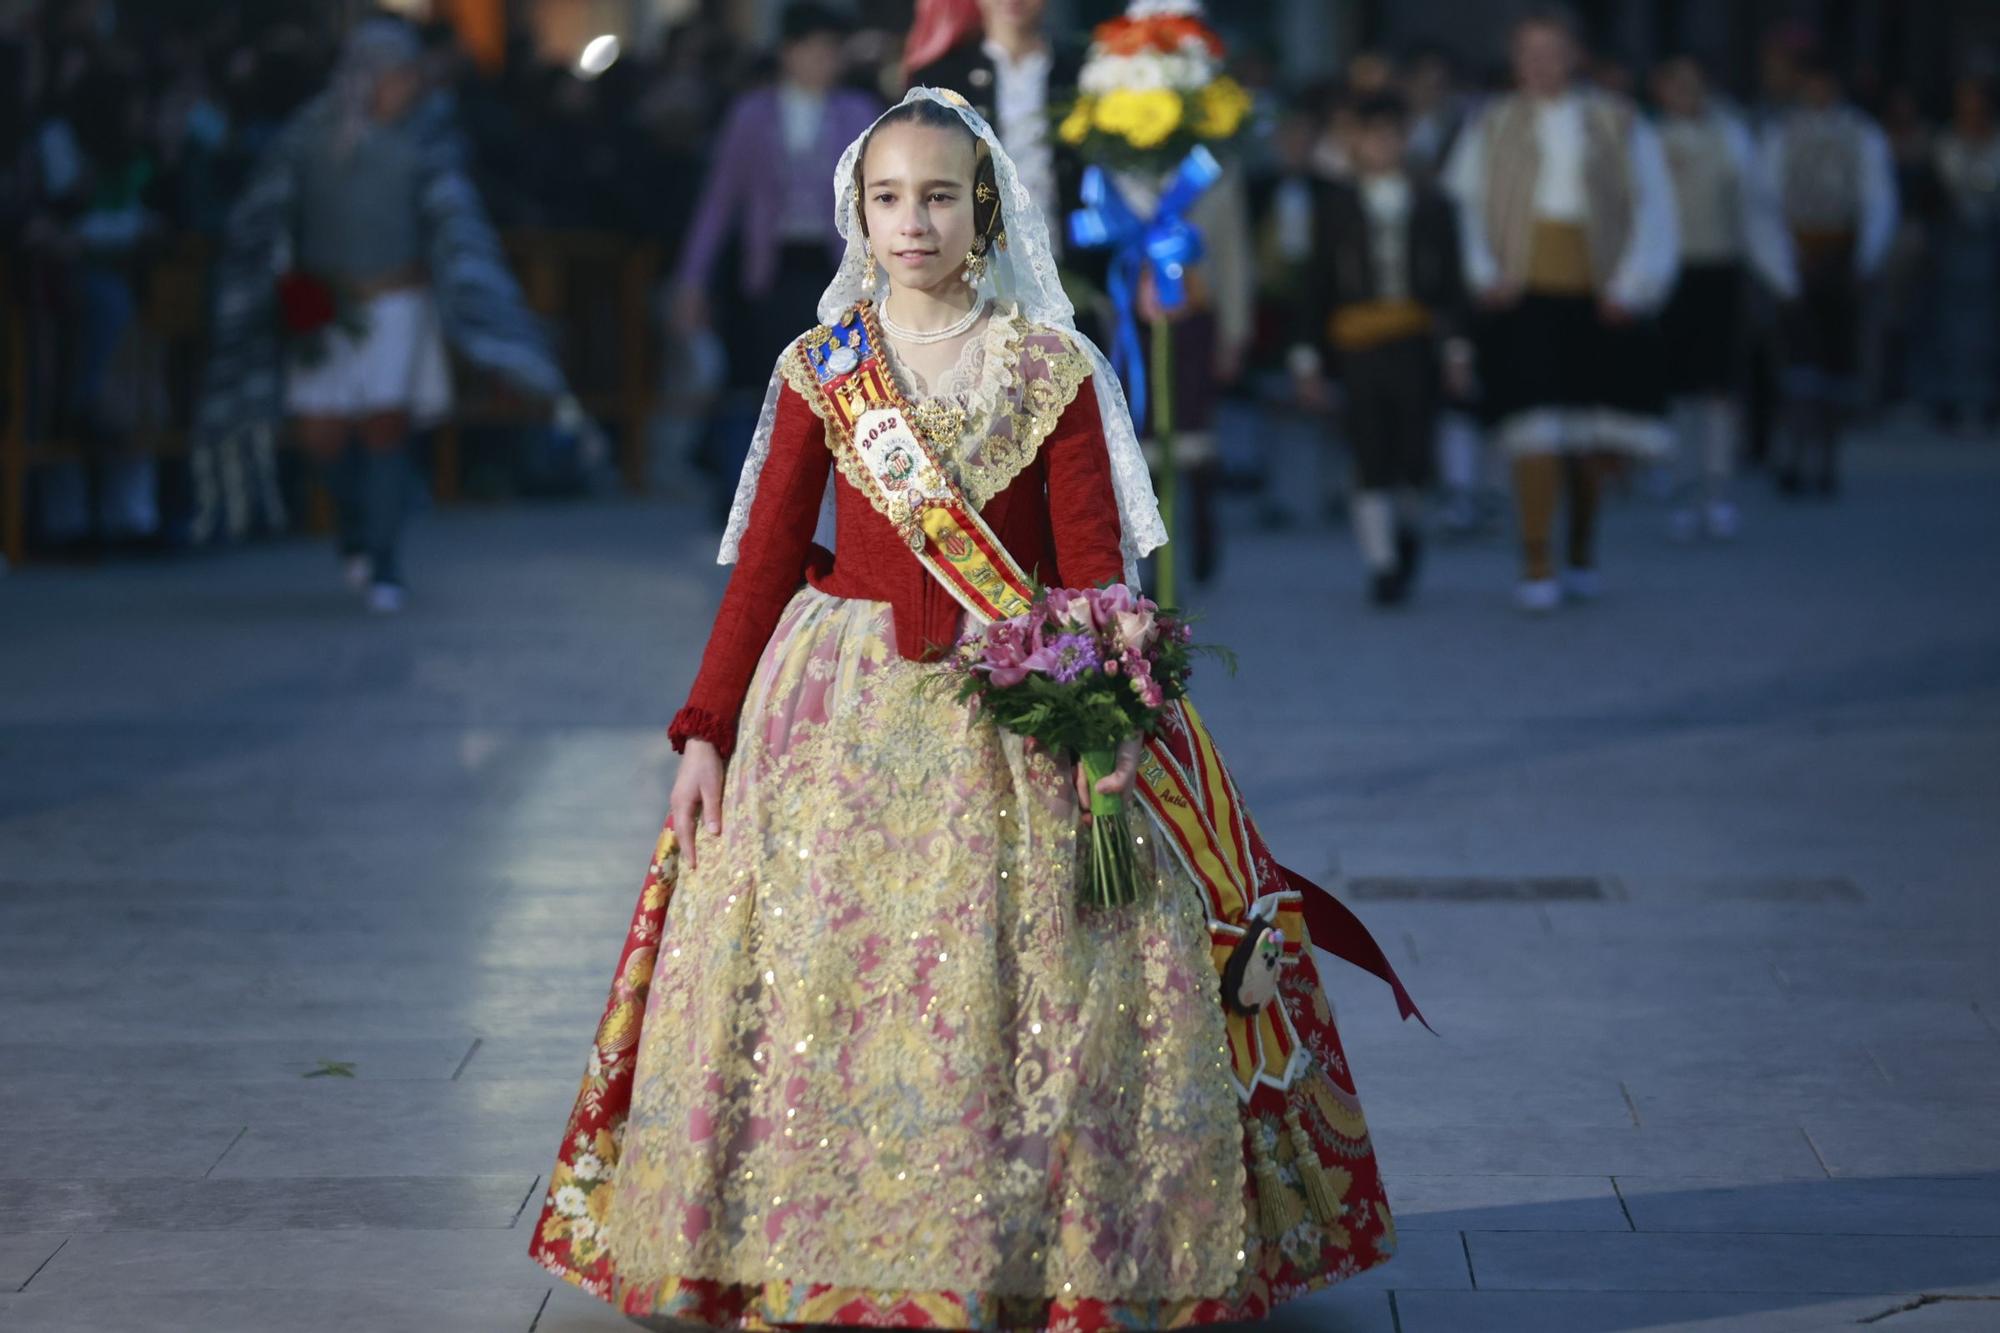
883	1050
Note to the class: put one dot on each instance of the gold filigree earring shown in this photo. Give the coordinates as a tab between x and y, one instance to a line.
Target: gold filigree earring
868	273
975	262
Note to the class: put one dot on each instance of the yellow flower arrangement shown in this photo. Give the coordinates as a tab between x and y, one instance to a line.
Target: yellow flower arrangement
1143	117
1220	108
1075	127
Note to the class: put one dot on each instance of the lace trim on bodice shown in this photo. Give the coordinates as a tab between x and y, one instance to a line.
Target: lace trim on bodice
989	413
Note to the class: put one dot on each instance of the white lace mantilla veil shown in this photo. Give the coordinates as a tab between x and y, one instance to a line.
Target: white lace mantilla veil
1024	274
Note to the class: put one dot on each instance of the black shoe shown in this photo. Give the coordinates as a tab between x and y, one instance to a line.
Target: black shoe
1409	553
1388	587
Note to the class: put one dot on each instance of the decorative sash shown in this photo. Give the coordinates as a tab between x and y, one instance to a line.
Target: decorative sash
1183	781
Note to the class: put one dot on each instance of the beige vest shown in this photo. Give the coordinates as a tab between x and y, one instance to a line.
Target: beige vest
1513	165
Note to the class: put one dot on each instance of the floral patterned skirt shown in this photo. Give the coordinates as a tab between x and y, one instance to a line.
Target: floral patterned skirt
888	1073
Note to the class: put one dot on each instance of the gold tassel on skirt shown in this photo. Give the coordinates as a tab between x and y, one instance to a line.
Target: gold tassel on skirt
1326	1208
1278	1209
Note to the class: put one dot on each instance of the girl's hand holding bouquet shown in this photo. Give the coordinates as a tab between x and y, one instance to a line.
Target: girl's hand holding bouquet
1085	672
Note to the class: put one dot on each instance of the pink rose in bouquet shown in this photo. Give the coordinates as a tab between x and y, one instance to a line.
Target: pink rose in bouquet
1080	673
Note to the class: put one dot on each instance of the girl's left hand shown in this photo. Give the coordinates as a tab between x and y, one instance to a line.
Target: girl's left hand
1120	781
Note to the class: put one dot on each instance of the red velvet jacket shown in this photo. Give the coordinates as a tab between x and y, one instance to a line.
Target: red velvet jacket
1058	518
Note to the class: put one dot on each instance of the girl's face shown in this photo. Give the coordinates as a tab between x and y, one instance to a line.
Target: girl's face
916	197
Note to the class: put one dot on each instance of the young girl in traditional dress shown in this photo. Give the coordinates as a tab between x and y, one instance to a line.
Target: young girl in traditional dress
866	1060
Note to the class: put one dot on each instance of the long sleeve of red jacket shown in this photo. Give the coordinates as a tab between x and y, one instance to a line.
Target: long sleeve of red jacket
770	565
1083	506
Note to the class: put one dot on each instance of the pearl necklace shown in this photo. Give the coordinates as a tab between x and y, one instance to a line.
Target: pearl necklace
945	334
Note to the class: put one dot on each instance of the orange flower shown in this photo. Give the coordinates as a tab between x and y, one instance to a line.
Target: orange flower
1128	36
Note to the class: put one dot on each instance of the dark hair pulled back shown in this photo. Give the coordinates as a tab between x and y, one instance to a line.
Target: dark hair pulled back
986	220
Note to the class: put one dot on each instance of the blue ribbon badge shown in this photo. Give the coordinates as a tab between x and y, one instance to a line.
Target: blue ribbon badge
1166	244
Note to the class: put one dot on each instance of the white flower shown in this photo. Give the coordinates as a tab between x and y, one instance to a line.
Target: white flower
588	1166
1184	71
570	1201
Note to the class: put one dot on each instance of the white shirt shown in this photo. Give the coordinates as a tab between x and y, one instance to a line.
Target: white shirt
1559	191
1021	119
1292	217
800	115
1387	201
801	112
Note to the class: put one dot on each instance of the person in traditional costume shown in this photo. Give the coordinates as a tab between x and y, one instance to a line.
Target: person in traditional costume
1018	75
1383	299
866	1061
776	139
1961	383
1730	229
363	205
1836	183
1570	245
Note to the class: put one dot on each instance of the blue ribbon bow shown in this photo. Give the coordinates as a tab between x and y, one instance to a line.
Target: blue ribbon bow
1166	244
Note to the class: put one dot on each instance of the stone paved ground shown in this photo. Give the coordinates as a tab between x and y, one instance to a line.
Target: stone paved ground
1751	1084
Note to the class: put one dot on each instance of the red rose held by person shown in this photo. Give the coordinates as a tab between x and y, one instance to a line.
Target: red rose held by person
305	302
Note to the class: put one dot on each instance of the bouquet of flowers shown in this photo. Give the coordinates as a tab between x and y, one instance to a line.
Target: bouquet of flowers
1152	101
1152	88
309	306
1079	673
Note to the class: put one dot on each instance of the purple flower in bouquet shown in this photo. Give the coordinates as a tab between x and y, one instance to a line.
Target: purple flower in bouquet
1065	657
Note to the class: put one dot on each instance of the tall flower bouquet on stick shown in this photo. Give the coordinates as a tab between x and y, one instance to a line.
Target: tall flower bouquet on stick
1078	673
1152	103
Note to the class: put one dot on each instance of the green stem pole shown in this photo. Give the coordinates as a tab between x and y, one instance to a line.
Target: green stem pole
1162	390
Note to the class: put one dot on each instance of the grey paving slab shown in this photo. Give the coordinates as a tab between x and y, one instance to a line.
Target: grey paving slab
1655	1261
231	1309
1395	1091
127	1144
1946	1137
408	1129
231	1060
1913	1206
306	1203
1433	1259
1501	1147
23	1253
1940	1068
1505	1203
381	1261
1631	1312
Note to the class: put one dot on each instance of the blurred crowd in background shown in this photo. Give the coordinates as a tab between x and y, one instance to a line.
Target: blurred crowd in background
126	131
